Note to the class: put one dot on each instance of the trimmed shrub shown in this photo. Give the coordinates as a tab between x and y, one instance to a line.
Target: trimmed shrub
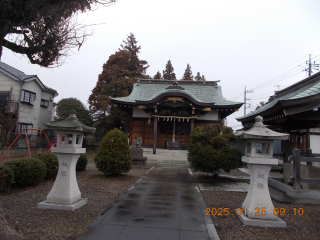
82	163
27	171
209	149
51	161
6	178
114	154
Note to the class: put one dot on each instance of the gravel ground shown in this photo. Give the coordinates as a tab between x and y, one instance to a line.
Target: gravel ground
229	226
20	213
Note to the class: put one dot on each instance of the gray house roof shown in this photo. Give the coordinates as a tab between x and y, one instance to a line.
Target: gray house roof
146	90
303	89
21	76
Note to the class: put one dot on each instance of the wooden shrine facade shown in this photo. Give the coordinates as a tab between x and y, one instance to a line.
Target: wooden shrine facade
165	109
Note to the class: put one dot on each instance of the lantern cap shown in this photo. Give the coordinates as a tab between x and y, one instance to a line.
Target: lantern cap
260	131
71	123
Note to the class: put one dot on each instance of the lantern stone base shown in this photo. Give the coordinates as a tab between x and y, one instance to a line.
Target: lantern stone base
70	207
276	223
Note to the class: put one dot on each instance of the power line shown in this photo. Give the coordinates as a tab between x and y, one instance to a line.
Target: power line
273	79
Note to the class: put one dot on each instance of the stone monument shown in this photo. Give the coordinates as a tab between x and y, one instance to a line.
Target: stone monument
65	193
137	153
257	208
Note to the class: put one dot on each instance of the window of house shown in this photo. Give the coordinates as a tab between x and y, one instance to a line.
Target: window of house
28	97
44	103
24	126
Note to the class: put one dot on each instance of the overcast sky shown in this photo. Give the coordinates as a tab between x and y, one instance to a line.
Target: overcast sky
262	45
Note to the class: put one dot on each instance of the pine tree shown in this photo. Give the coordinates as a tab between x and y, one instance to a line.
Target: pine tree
187	73
157	76
168	72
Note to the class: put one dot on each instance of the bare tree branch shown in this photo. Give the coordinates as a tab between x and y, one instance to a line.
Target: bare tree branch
45	31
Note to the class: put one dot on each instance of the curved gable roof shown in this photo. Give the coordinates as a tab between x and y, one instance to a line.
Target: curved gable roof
202	92
306	88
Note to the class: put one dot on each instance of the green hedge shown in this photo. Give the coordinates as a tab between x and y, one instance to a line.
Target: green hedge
27	171
82	163
6	178
51	161
114	154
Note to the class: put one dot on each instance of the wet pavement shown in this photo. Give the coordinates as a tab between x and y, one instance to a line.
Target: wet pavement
163	204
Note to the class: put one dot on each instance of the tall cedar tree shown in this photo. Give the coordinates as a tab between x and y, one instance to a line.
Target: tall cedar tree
118	75
168	72
157	76
187	73
198	77
44	30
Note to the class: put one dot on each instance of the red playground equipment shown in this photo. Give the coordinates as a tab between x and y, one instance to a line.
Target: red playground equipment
25	131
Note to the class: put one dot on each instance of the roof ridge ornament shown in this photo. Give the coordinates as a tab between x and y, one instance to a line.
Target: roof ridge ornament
175	85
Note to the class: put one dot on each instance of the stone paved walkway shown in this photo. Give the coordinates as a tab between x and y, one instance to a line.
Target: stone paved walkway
163	204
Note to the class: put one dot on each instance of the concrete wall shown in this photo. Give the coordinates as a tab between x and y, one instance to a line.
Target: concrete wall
139	113
7	83
305	172
17	152
212	116
315	143
46	113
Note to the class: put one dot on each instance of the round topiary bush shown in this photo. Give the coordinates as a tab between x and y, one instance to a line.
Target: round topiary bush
82	163
51	161
6	178
210	150
27	171
114	154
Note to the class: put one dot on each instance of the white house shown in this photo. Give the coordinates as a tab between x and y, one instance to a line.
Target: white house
26	97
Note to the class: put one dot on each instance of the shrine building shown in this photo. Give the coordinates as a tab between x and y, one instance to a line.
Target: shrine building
165	110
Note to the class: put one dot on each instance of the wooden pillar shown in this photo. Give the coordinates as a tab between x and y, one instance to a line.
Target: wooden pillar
286	150
155	128
192	124
174	131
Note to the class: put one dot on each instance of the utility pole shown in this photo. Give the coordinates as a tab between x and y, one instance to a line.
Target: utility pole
245	98
311	65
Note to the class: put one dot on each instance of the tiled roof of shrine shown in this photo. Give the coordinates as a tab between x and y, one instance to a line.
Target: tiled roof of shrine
201	92
302	89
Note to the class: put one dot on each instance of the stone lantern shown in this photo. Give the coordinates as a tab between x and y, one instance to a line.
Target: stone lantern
257	208
65	193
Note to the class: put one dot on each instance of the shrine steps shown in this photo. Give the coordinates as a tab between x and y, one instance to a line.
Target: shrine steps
166	158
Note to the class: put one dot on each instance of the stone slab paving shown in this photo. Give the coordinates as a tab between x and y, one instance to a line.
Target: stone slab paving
225	186
163	204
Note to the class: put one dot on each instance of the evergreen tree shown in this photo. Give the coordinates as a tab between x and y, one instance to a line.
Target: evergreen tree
132	49
65	106
187	73
198	77
157	76
168	72
118	75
